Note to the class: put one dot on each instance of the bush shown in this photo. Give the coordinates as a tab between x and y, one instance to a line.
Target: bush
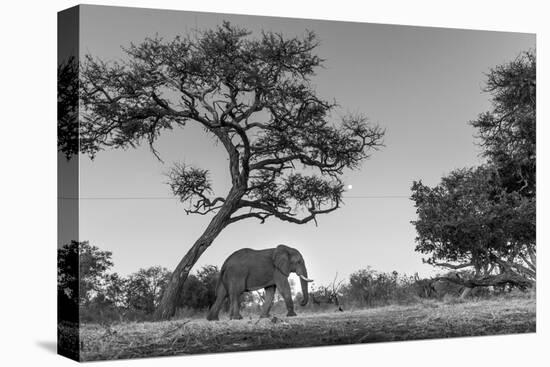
144	288
135	298
199	290
370	288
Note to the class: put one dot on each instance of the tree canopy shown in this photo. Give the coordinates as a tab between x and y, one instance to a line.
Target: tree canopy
144	288
469	220
253	95
67	107
508	132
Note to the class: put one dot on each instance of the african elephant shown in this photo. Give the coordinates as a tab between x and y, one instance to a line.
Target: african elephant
248	270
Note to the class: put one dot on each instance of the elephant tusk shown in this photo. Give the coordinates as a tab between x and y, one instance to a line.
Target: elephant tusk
306	279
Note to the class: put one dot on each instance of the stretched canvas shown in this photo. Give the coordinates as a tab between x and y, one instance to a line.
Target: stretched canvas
231	183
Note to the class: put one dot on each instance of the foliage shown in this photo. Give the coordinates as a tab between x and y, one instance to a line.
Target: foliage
107	296
508	131
91	275
368	288
470	220
67	107
116	290
484	218
199	291
144	288
67	272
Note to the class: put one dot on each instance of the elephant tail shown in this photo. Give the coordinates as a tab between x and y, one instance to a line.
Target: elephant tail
221	289
219	283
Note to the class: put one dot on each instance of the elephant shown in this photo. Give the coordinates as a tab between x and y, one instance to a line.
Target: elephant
248	270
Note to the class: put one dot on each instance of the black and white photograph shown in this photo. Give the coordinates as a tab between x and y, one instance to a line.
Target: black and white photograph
237	183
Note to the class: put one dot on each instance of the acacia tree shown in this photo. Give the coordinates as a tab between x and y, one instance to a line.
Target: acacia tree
484	218
254	95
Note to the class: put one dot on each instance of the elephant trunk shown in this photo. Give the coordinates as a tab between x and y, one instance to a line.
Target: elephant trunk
303	281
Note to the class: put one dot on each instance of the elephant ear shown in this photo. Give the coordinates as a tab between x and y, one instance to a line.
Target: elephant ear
281	260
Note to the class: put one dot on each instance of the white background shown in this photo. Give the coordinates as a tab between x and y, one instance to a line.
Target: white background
28	181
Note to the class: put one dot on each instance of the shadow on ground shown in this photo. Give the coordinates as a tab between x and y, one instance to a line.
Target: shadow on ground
48	345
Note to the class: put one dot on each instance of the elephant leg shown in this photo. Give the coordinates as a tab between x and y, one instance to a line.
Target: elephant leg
234	297
221	295
268	302
234	310
284	289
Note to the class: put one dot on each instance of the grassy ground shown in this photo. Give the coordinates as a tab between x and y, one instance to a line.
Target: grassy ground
425	320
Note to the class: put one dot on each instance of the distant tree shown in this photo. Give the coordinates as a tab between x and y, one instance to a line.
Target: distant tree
116	290
255	97
200	289
144	288
369	287
67	282
67	271
93	265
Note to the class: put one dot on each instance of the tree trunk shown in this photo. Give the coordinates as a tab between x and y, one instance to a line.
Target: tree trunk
172	292
491	280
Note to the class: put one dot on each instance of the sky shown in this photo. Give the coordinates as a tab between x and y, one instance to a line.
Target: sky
421	84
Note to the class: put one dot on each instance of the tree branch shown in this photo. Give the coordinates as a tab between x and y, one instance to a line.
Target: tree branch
285	216
449	265
490	280
261	216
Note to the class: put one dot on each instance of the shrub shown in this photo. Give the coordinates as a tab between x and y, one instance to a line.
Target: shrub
199	290
370	288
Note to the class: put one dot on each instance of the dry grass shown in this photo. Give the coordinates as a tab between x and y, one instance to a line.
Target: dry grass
429	319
